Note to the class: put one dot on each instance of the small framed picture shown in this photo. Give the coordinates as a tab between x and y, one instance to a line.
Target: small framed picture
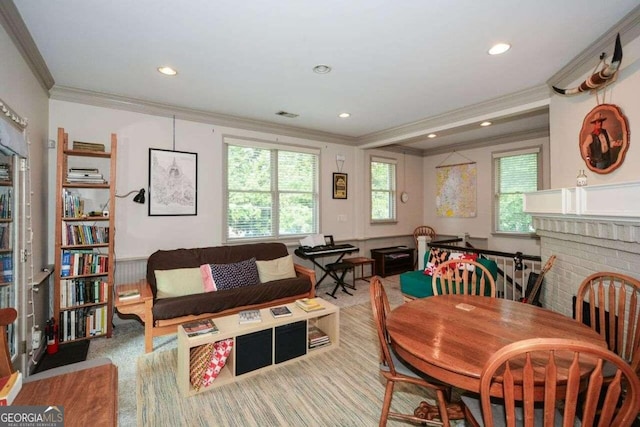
339	185
173	183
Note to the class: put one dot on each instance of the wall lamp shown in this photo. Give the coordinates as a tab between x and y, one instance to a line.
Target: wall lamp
139	198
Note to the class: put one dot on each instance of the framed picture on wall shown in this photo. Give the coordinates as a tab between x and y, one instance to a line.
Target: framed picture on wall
604	138
339	185
173	183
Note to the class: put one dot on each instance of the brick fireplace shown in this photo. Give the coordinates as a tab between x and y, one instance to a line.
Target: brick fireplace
589	229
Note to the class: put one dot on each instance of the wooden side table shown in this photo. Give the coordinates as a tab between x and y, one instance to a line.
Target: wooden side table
361	261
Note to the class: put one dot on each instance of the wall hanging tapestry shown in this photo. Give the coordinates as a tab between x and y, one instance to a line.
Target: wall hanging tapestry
456	190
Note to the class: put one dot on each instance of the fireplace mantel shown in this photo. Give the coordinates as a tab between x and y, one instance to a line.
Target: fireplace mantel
614	202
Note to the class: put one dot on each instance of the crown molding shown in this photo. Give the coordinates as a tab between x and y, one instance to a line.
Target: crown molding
99	99
518	102
486	142
14	26
396	148
628	28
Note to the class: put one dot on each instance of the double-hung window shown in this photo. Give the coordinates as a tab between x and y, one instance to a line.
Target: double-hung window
515	173
383	190
272	190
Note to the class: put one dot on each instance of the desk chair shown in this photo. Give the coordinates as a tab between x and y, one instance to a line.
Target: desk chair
463	276
513	370
610	296
395	370
423	230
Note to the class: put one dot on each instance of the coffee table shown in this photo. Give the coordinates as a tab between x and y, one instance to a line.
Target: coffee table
258	347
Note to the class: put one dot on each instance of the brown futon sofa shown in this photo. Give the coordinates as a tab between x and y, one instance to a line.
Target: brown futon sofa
162	316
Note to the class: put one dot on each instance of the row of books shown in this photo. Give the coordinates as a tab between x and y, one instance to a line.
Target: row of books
5	236
5	172
6	269
79	234
317	337
72	205
82	322
83	262
5	204
74	292
88	146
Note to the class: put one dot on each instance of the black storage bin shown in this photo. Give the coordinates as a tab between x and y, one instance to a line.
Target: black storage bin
291	341
253	351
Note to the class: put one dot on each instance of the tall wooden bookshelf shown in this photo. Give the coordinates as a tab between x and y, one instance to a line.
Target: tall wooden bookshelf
84	241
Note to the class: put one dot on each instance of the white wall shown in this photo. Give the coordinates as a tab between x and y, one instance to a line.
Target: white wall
568	112
481	224
138	235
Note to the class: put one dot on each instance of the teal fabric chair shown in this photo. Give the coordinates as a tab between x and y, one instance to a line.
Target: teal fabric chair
416	284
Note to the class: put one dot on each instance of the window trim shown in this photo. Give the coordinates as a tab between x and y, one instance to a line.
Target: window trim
394	191
537	149
265	145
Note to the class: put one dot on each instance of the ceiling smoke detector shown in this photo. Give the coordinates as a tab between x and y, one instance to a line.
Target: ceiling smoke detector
285	114
321	69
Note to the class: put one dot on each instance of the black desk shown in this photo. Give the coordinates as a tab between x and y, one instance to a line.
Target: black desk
312	254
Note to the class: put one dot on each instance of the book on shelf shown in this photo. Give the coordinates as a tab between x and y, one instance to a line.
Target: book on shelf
249	316
129	295
88	146
12	385
281	311
200	327
309	304
317	337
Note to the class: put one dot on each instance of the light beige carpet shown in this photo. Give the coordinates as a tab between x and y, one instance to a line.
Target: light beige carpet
337	388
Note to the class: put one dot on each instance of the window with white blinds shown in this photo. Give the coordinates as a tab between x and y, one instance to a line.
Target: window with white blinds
515	173
383	189
272	191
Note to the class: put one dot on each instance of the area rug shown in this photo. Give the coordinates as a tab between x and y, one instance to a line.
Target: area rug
67	354
341	387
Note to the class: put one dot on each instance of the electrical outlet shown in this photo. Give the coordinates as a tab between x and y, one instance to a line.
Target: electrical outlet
36	339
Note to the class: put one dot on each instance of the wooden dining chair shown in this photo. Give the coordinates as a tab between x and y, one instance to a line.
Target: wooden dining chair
516	370
610	304
423	230
394	370
463	276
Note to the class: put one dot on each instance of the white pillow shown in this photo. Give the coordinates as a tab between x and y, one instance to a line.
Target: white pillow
178	282
280	268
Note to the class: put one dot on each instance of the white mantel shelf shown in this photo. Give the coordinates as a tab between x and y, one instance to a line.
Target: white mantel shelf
612	202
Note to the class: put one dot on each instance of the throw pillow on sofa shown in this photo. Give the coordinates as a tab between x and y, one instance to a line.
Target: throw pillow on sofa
436	257
178	282
277	269
207	278
235	275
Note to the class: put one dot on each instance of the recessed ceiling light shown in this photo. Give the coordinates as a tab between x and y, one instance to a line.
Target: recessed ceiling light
484	124
167	71
431	135
344	115
499	48
321	69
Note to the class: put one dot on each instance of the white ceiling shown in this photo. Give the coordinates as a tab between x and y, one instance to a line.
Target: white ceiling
394	63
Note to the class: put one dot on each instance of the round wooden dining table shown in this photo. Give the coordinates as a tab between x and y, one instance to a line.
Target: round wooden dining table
451	337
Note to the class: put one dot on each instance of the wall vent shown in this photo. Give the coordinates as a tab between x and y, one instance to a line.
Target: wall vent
285	114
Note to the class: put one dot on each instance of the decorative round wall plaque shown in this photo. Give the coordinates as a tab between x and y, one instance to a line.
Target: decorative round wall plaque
604	138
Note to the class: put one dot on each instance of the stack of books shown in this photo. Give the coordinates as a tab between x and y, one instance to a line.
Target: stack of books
249	316
200	327
5	172
317	338
85	176
88	146
10	387
309	304
128	295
